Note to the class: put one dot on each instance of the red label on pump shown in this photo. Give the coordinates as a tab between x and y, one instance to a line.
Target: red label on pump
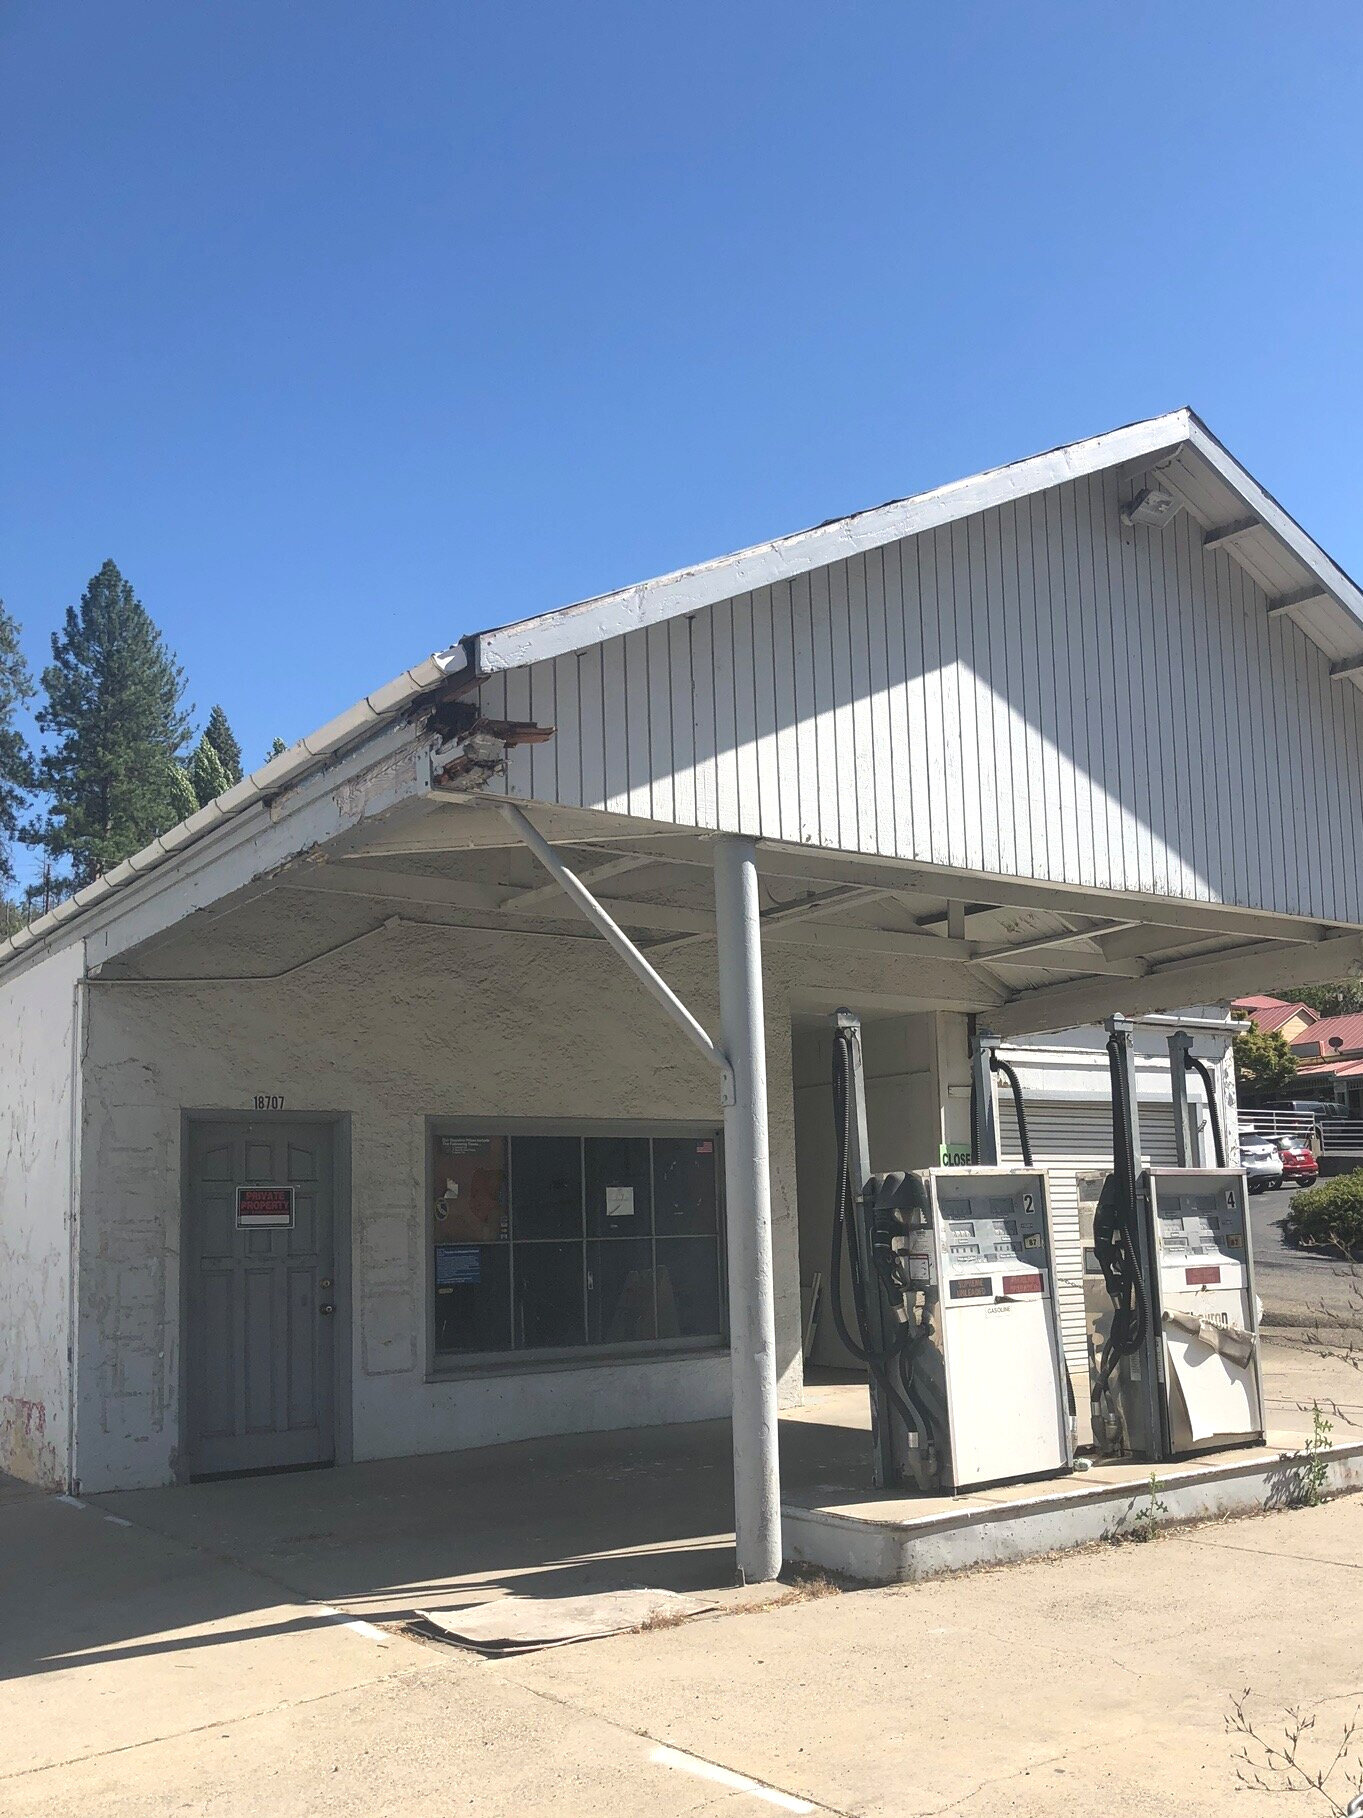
971	1287
1206	1276
1022	1284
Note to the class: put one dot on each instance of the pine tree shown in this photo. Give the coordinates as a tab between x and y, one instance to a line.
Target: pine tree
220	736
115	710
182	798
16	764
207	776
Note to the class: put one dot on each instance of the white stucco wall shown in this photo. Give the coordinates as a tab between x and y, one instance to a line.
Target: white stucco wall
417	1023
37	1078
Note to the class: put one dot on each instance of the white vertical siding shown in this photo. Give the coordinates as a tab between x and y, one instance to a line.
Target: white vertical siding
1039	690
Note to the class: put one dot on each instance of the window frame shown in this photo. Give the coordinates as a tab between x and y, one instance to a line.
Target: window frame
441	1366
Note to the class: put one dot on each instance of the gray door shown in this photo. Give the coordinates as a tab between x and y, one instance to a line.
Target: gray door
260	1311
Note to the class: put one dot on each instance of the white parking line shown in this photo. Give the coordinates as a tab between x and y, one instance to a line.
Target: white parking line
722	1776
369	1630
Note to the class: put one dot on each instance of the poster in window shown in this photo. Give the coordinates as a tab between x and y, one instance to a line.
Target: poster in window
469	1189
458	1265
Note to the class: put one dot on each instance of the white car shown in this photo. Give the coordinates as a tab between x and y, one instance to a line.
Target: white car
1262	1161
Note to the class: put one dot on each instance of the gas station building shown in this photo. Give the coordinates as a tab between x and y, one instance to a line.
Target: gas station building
461	1075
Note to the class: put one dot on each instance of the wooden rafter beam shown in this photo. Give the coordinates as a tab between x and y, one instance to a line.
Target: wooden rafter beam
1304	596
1230	534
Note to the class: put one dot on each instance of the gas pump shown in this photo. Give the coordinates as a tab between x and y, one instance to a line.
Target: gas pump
953	1285
1169	1281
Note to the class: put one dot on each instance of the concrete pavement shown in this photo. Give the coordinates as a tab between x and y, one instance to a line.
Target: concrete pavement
1096	1682
213	1650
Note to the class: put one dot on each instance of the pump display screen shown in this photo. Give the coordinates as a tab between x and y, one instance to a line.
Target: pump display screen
1199	1224
1002	1232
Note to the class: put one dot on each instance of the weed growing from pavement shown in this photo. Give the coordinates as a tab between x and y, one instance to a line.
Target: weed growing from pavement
1144	1523
1314	1471
1292	1759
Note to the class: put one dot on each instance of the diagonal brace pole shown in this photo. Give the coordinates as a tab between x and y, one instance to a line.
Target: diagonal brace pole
648	976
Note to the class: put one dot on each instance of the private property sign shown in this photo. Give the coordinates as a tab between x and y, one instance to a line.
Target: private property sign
264	1208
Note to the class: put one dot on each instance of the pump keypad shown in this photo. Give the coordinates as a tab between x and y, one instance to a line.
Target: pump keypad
1197	1226
991	1231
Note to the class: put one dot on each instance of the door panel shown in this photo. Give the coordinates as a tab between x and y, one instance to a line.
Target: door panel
260	1353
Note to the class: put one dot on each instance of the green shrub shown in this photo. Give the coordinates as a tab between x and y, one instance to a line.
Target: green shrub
1329	1214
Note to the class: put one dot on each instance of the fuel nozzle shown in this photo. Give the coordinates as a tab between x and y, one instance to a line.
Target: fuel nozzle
890	1201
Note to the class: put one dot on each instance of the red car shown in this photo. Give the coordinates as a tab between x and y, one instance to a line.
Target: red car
1300	1166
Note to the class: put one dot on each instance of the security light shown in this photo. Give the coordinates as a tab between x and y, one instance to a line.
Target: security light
1151	506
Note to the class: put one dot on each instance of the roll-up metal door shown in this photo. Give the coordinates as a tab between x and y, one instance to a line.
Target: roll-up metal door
1070	1138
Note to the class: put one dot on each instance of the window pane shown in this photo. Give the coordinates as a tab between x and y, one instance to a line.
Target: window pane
688	1287
548	1296
468	1190
546	1186
619	1192
684	1175
472	1297
620	1292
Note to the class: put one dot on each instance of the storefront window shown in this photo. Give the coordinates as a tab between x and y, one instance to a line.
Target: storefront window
559	1242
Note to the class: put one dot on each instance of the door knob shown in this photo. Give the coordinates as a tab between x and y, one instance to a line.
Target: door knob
326	1307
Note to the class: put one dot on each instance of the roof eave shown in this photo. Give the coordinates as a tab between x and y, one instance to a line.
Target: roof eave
572	628
366	717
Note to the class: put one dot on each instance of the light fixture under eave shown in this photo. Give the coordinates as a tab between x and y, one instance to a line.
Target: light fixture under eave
1153	506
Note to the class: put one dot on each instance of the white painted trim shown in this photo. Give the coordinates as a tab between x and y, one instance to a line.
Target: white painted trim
264	835
689	589
262	786
1286	528
571	628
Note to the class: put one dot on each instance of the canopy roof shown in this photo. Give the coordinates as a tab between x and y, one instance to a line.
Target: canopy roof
1183	464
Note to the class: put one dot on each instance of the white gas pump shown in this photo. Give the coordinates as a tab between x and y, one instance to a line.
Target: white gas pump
1169	1283
1205	1312
953	1282
990	1367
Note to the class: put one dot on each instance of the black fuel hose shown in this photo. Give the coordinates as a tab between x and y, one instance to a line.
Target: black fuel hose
1204	1073
999	1065
897	1354
1115	1240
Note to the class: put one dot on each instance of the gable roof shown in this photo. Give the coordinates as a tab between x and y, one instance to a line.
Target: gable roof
1270	1013
1176	450
1236	514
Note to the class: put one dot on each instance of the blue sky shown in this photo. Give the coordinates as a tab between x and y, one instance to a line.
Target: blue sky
347	329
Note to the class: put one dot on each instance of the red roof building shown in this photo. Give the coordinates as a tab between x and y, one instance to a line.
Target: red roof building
1330	1037
1270	1013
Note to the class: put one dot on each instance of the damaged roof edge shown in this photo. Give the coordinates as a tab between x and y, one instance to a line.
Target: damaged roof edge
289	767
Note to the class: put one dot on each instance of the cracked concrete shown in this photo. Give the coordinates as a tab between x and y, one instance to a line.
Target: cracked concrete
194	1651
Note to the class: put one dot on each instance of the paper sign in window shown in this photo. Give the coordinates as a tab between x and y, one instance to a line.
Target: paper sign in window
458	1265
619	1202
